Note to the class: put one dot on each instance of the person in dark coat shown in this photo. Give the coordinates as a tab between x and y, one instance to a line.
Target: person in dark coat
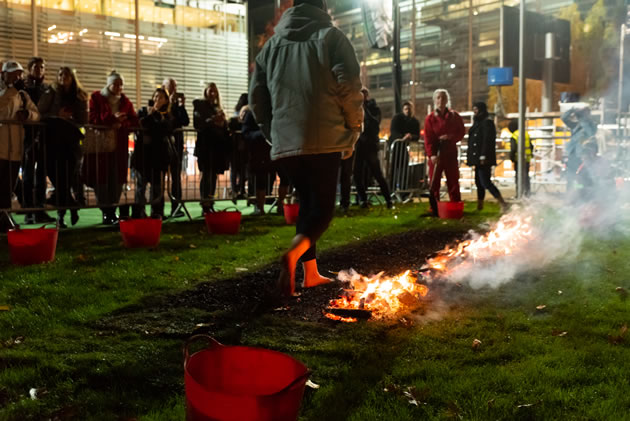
212	147
34	161
153	153
263	169
404	128
367	152
482	155
64	108
240	152
178	111
404	125
106	172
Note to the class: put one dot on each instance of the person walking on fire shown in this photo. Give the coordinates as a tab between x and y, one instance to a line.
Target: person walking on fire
307	78
443	128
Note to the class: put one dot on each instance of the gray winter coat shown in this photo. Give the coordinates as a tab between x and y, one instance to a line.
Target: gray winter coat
305	92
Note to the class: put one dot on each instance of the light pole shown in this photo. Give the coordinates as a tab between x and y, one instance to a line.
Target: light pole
396	59
522	81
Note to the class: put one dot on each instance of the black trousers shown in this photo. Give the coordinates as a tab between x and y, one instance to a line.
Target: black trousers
156	179
345	180
8	178
34	169
368	157
314	177
483	182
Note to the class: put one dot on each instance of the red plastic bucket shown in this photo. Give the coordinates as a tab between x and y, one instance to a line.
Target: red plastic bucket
224	222
450	210
141	232
32	246
238	383
291	211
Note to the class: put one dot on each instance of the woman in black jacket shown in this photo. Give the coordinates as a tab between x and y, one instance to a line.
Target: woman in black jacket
154	150
213	147
64	108
481	154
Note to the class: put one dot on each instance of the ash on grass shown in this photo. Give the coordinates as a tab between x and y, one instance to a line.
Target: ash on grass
217	307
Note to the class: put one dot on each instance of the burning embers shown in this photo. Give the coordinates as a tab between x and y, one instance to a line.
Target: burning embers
510	235
380	297
377	296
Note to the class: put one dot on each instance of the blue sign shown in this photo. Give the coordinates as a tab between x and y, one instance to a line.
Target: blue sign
500	76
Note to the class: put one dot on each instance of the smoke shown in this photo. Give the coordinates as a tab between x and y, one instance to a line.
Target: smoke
552	228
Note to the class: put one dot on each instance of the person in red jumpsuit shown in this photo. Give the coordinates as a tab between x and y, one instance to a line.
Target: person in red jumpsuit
443	128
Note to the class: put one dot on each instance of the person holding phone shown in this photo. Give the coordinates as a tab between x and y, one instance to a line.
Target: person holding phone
106	172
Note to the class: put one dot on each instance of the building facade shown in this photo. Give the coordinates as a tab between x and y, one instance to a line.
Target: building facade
195	42
444	31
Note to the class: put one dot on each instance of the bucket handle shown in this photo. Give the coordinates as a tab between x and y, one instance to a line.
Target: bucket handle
297	380
211	342
230	207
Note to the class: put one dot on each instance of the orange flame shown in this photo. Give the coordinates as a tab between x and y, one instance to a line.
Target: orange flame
511	232
382	296
340	319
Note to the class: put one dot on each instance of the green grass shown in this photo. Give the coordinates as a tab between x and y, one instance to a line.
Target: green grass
90	372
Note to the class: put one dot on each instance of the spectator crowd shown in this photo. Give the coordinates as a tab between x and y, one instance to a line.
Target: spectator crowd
57	134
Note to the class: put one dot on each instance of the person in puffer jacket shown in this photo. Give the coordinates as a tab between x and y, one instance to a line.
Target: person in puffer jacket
306	96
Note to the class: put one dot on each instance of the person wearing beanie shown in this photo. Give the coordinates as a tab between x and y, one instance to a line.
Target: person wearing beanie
106	171
306	97
16	105
481	154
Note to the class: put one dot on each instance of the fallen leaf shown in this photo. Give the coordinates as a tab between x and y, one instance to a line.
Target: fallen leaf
528	405
476	343
410	398
622	291
241	269
559	292
453	410
176	237
541	307
415	396
81	258
285	308
192	246
557	332
491	403
5	308
176	258
36	393
312	385
618	339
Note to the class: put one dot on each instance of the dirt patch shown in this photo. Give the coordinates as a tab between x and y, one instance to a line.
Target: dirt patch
219	305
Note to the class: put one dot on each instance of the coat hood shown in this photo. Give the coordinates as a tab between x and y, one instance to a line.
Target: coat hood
298	23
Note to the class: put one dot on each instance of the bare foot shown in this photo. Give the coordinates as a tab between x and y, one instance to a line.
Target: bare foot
313	281
286	280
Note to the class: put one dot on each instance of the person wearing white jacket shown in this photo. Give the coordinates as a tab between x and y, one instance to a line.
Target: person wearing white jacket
16	107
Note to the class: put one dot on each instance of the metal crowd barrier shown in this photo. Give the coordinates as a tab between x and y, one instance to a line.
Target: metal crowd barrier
46	169
407	169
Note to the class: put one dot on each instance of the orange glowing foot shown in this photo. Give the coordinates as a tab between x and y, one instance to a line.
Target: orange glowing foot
312	277
286	280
